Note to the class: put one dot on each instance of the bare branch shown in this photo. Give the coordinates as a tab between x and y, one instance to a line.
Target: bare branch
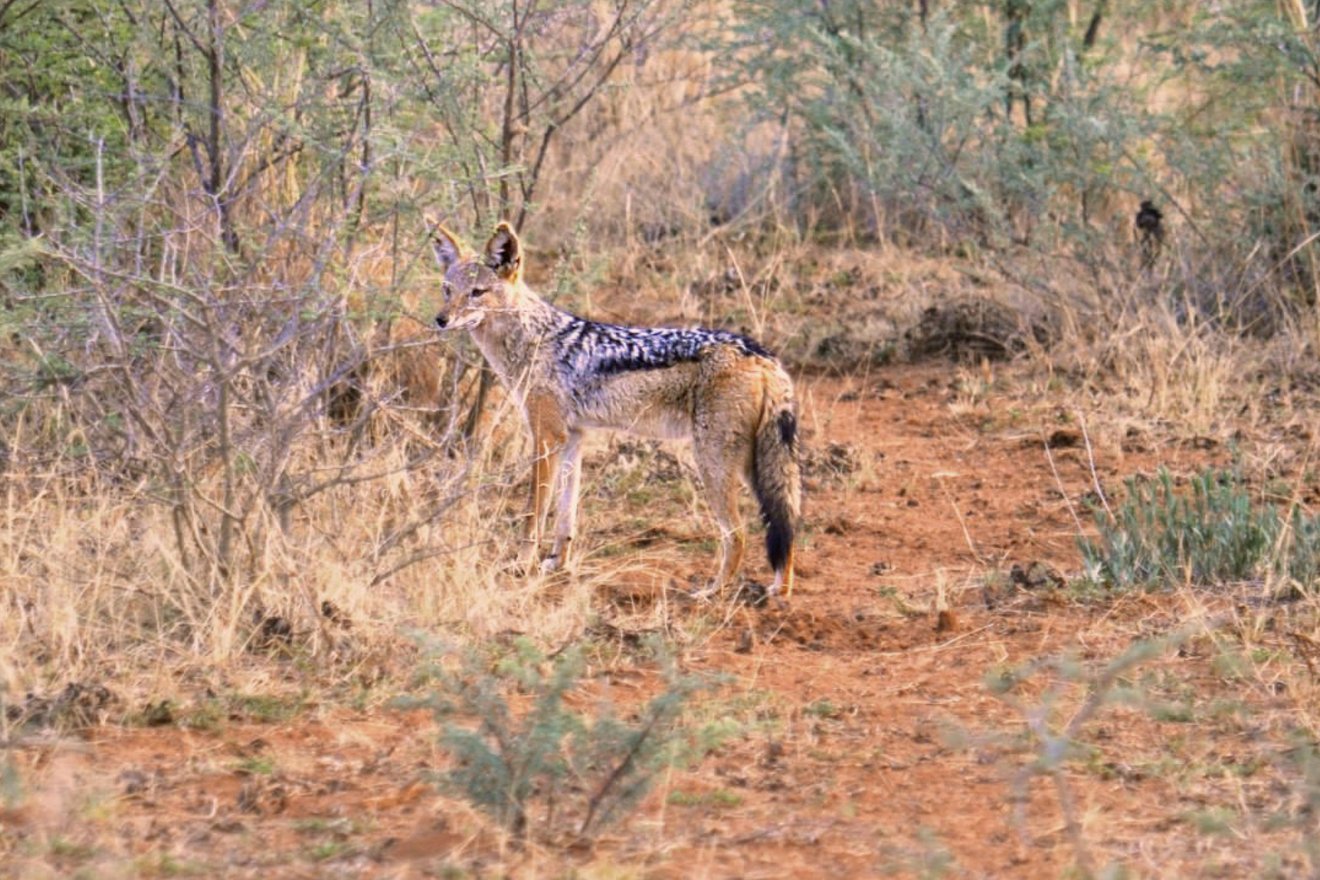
183	27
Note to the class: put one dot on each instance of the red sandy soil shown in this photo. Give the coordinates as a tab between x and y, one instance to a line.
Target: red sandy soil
870	743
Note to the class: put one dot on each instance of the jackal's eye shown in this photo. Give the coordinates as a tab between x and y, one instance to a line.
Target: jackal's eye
478	291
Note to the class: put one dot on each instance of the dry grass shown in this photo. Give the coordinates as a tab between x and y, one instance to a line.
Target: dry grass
100	590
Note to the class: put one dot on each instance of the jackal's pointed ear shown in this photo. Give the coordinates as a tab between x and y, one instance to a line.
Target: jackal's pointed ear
448	249
504	252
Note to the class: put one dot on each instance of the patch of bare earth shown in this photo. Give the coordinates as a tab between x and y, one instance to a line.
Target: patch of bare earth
938	528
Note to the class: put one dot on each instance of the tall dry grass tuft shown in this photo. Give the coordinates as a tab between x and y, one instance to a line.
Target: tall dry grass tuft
1165	368
413	529
1164	345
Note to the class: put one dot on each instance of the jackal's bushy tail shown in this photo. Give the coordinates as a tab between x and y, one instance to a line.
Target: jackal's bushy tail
776	472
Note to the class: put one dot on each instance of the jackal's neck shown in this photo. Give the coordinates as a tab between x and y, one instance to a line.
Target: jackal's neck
511	338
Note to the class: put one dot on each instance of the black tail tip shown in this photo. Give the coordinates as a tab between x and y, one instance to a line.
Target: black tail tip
778	543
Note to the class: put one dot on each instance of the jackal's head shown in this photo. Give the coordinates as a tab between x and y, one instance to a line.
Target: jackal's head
477	284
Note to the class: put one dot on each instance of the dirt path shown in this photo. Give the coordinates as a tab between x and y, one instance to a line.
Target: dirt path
871	743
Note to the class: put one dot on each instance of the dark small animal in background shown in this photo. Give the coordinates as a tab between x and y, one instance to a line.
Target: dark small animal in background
1150	232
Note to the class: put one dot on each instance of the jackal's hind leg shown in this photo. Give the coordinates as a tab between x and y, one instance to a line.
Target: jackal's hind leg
782	587
721	481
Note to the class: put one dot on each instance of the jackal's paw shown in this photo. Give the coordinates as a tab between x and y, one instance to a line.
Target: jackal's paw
553	562
709	591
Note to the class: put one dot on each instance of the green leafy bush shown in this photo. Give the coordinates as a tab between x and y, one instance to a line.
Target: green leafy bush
1056	729
1212	533
549	758
926	122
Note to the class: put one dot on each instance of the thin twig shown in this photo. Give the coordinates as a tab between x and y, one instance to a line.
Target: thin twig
1090	461
1058	481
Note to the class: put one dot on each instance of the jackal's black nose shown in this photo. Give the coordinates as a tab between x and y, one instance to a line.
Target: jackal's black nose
441	321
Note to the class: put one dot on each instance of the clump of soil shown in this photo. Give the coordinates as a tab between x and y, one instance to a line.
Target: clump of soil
973	329
78	705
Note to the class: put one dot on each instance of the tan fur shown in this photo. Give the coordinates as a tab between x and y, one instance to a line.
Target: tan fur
725	399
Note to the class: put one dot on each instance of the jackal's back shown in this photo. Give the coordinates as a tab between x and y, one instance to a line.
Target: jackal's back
588	349
641	379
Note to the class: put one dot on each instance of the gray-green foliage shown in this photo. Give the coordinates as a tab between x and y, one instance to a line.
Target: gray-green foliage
11	786
936	122
590	767
1060	701
353	98
1211	533
1055	730
1024	123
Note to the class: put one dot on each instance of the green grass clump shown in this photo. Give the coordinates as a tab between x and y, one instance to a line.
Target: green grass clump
1211	534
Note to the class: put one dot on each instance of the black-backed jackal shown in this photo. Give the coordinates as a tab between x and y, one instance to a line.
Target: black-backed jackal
721	389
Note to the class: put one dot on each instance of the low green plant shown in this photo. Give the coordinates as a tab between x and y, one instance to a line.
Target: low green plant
168	865
326	850
822	709
267	708
257	765
11	784
549	758
64	848
719	798
1212	533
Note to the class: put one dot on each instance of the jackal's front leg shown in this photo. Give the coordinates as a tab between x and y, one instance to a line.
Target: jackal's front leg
544	466
570	476
548	440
